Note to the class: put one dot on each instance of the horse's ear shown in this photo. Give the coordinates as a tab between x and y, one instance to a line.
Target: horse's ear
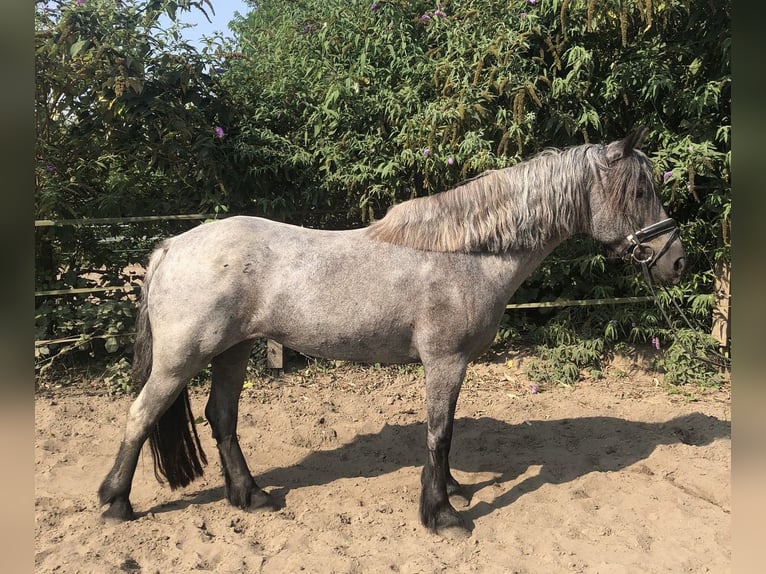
634	140
625	147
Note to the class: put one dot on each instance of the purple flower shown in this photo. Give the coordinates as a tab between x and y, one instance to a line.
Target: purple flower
374	6
50	168
426	152
523	15
656	343
666	176
219	132
450	160
532	1
79	2
534	389
440	14
425	18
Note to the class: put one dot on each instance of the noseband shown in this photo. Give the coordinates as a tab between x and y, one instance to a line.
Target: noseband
644	255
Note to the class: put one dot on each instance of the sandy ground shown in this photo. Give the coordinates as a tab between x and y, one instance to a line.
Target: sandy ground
610	476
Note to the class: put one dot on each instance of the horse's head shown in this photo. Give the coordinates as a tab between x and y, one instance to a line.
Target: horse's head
626	212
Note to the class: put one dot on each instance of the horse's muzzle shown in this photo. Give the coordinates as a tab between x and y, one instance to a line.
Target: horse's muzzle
645	256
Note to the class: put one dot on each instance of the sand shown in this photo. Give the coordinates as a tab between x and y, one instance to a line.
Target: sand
614	475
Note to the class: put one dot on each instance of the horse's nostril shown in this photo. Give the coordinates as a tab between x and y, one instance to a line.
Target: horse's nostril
679	265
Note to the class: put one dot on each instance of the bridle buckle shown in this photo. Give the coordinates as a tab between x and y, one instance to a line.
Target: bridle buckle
640	253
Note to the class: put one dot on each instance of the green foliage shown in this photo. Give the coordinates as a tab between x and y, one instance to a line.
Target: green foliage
686	362
125	113
91	327
563	359
332	110
369	107
118	377
125	116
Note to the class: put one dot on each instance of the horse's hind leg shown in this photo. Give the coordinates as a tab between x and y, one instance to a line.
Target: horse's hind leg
443	381
156	397
228	374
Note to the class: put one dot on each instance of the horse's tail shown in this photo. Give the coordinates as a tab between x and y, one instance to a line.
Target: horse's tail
142	347
175	445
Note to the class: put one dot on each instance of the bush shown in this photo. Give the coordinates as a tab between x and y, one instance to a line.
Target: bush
330	111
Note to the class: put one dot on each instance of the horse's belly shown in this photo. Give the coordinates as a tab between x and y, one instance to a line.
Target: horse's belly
377	344
351	351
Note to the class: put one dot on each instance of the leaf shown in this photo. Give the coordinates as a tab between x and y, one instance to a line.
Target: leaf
111	345
78	47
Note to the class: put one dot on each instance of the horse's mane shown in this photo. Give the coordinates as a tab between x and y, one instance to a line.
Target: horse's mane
520	207
517	207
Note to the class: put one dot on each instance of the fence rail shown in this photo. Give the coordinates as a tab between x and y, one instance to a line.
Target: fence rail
78	290
112	220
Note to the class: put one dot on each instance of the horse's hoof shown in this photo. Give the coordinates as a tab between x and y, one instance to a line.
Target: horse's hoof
459	501
458	495
262	500
254	500
445	519
119	511
455	532
450	520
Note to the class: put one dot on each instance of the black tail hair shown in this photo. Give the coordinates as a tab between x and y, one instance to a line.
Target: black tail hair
175	445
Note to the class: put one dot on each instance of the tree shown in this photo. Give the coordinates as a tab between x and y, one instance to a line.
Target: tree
129	123
369	103
331	111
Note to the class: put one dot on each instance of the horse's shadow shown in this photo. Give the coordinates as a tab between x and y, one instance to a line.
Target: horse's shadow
564	450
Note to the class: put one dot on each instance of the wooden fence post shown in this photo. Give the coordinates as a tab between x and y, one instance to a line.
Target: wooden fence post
274	355
721	325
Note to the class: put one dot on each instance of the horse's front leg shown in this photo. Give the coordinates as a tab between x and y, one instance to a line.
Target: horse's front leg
228	375
443	380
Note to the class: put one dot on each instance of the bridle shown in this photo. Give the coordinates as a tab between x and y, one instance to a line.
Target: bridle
643	255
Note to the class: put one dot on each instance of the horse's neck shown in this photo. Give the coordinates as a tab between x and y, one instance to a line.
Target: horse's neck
515	266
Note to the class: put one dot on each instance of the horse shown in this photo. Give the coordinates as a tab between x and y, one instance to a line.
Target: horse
427	283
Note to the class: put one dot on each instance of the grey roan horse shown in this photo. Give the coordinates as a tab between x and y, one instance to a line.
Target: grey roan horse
428	282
